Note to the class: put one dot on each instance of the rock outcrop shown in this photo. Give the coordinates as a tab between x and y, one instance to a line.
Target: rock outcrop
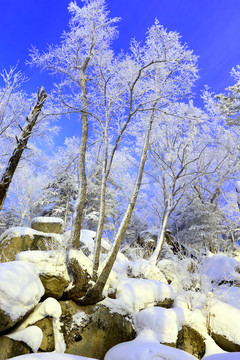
18	239
92	330
191	341
10	348
52	225
21	296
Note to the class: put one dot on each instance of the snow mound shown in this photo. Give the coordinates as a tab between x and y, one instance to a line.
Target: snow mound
146	347
32	336
144	269
227	325
211	347
138	294
47	262
220	267
165	323
20	288
227	356
49	307
51	356
52	219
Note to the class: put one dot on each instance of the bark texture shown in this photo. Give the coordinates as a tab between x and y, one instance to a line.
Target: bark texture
21	145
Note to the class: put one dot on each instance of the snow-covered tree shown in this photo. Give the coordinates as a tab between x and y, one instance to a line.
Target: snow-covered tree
75	60
112	93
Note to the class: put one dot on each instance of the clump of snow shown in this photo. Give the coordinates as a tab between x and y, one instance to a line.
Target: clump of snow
138	294
180	273
17	231
80	319
49	307
52	262
227	356
83	260
211	347
220	267
224	320
227	294
87	241
145	269
20	288
51	356
146	347
32	336
47	219
165	323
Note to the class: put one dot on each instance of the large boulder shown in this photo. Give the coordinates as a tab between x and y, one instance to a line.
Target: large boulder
20	291
48	341
191	341
92	330
10	348
18	239
52	269
52	225
225	330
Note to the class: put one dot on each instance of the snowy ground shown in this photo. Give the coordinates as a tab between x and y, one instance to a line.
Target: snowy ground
199	302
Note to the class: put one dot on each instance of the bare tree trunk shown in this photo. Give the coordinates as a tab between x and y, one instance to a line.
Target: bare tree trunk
97	249
157	252
66	210
21	145
94	294
81	197
98	239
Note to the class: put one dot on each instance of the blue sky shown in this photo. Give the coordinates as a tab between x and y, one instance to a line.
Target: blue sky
211	28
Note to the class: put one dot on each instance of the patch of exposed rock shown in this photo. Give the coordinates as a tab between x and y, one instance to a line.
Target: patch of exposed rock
10	348
92	330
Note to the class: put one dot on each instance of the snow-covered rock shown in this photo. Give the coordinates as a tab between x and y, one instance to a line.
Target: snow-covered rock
219	268
228	356
224	325
49	308
51	356
46	224
52	268
138	294
20	291
165	323
146	347
18	239
10	348
93	330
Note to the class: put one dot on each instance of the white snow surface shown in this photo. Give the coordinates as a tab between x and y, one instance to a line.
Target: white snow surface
23	231
32	336
138	294
144	268
211	347
48	219
51	356
52	262
146	347
165	323
227	356
49	307
225	320
20	288
220	267
87	237
85	262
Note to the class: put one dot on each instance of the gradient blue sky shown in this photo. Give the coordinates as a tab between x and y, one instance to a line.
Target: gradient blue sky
211	28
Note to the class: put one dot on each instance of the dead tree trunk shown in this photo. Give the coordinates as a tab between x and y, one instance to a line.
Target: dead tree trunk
21	145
